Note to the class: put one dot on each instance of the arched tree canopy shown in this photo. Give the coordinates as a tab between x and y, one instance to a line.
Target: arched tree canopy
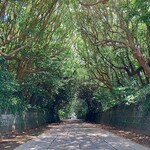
57	55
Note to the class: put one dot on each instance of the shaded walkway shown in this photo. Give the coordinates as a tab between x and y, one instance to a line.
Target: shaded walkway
76	135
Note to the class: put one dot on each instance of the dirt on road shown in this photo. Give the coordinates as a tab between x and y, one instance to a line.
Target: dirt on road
10	142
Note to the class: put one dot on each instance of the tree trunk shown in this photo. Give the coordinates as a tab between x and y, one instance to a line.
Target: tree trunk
142	61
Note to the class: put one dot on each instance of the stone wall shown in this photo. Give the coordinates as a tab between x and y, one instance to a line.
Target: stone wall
130	117
11	123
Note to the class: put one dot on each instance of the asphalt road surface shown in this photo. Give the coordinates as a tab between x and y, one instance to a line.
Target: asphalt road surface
77	135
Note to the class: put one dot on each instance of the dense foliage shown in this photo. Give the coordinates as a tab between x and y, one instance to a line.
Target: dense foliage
69	56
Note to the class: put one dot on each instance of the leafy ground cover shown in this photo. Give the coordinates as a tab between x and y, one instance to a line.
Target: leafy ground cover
9	142
136	137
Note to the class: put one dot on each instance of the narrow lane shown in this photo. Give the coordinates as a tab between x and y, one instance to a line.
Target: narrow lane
76	135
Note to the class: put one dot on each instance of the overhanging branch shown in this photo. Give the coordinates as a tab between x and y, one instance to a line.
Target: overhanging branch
93	4
13	52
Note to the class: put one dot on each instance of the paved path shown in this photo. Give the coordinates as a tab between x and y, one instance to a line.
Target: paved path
79	136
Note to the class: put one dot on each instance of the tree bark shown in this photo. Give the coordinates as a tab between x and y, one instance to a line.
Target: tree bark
142	61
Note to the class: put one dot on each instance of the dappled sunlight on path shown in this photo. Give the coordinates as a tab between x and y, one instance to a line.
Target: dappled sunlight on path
76	135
